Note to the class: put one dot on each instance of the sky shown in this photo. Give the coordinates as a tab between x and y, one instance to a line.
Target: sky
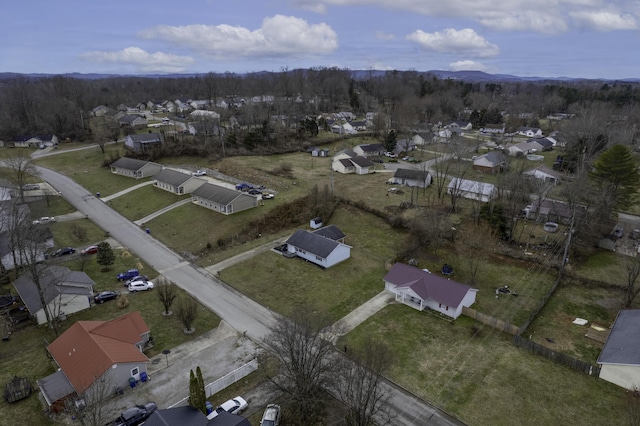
527	38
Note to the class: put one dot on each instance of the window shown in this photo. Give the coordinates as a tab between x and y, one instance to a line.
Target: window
135	371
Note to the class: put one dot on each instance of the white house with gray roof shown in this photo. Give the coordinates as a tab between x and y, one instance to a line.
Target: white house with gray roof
319	246
411	177
223	200
137	169
471	189
65	292
176	182
143	141
620	357
348	161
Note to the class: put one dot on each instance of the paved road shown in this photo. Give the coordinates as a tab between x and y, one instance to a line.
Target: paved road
242	313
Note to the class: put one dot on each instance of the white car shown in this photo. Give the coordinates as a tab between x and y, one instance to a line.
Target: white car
235	405
199	173
139	285
267	196
271	416
44	220
390	155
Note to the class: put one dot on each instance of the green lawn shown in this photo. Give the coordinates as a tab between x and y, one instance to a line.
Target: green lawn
485	380
143	201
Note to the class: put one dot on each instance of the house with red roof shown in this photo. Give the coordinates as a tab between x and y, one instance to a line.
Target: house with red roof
92	352
423	290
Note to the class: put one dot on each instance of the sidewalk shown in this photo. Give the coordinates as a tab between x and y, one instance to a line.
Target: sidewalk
215	269
161	211
360	314
124	191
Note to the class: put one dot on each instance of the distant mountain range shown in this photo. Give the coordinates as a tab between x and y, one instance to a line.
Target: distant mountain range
469	76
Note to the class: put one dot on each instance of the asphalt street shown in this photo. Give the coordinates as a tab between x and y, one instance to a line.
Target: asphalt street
240	312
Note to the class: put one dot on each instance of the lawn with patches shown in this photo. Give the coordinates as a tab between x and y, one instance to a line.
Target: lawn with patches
604	266
143	201
280	283
85	168
485	380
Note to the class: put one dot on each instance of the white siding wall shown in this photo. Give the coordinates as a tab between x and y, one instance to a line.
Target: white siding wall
626	376
341	253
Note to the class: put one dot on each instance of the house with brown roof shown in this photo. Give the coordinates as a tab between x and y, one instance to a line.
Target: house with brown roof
137	169
423	290
96	353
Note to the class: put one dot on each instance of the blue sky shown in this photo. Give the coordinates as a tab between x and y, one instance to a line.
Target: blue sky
546	38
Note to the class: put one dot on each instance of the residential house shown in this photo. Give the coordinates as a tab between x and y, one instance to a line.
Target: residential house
423	290
405	145
360	125
143	141
132	120
545	174
341	127
94	354
35	141
370	149
348	161
620	357
33	242
318	247
411	177
127	108
176	182
223	200
99	111
64	291
523	148
493	129
471	189
531	132
345	115
189	416
132	167
547	144
460	126
551	211
201	114
492	162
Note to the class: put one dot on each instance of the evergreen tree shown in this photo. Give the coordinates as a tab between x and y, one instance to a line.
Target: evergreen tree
616	170
105	256
197	395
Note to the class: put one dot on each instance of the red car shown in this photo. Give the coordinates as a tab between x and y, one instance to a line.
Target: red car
90	250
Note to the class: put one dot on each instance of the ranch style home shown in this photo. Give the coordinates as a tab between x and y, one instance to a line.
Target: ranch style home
223	200
91	353
176	182
131	167
423	290
324	246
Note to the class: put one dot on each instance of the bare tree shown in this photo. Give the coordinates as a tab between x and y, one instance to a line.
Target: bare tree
167	293
187	312
95	404
21	168
471	248
632	267
361	388
305	371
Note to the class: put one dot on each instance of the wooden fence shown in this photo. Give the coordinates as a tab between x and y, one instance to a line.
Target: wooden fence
498	324
557	357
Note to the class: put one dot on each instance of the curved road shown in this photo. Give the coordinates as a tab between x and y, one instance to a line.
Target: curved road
241	312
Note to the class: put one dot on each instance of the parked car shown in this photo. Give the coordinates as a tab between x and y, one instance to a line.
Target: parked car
254	191
89	250
271	415
135	415
127	275
136	278
618	232
267	196
105	296
30	187
140	285
390	155
64	251
44	220
235	405
199	172
243	186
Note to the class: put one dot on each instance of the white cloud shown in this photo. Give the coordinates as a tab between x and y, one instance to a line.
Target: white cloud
143	61
381	35
465	41
604	20
467	65
279	36
312	6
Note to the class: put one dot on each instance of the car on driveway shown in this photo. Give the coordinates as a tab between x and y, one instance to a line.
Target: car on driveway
390	155
618	232
136	278
127	275
139	285
64	251
254	191
89	250
135	415
235	405
271	415
267	196
105	296
44	220
199	172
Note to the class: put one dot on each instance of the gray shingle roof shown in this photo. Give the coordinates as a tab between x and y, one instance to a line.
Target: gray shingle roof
372	147
218	194
623	344
362	161
313	243
414	174
129	163
146	137
330	231
172	177
55	386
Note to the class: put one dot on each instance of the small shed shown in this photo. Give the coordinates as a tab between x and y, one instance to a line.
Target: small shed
315	223
17	389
